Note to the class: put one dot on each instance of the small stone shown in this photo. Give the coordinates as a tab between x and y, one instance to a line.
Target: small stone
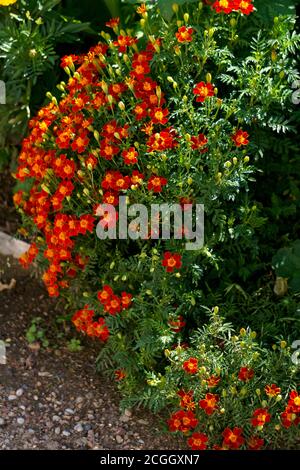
2	421
19	392
57	431
78	427
66	433
21	421
79	400
69	411
12	397
119	439
124	419
55	418
128	413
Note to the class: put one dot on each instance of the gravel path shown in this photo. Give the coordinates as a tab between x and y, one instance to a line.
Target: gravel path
53	398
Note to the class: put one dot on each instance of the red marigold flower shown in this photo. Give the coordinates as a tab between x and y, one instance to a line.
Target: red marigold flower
81	142
130	156
272	390
105	294
98	329
126	300
260	417
120	182
294	401
171	261
191	365
113	23
64	168
108	150
120	374
198	441
64	189
198	142
233	438
177	324
123	42
142	9
246	374
288	417
213	381
140	111
203	91
156	183
255	443
161	141
109	129
110	198
224	6
53	291
240	138
117	89
209	404
244	6
159	115
86	224
139	69
184	34
68	61
182	421
113	305
186	401
137	178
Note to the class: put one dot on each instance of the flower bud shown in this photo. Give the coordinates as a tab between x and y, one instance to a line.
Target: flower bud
227	164
186	17
175	7
242	332
112	265
283	344
234	160
142	22
246	159
208	78
97	135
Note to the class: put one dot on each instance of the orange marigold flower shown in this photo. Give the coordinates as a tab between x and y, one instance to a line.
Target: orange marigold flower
105	294
203	91
191	365
142	9
130	156
120	374
260	417
113	23
126	300
198	441
272	390
209	404
171	261
255	443
213	381
198	142
182	421
184	34
233	438
177	324
240	138
113	305
288	417
159	115
245	374
186	400
123	42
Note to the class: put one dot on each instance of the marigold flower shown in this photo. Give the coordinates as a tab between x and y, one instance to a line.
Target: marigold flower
191	365
240	138
198	441
105	294
233	438
156	183
130	156
199	142
171	261
288	417
120	374
186	400
260	417
272	390
255	443
209	404
177	324
224	6
245	374
244	6
159	115
203	91
294	401
184	35
182	421
213	381
113	23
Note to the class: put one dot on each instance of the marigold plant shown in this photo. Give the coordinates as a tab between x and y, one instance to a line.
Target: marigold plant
167	114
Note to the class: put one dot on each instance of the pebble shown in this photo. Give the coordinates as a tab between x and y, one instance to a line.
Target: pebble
57	431
119	439
66	433
19	392
12	397
69	411
1	421
55	418
78	427
128	413
21	421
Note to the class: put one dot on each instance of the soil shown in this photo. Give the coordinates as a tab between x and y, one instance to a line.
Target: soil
9	219
51	398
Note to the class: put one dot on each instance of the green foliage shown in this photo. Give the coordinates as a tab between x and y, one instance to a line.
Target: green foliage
287	264
36	333
74	345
